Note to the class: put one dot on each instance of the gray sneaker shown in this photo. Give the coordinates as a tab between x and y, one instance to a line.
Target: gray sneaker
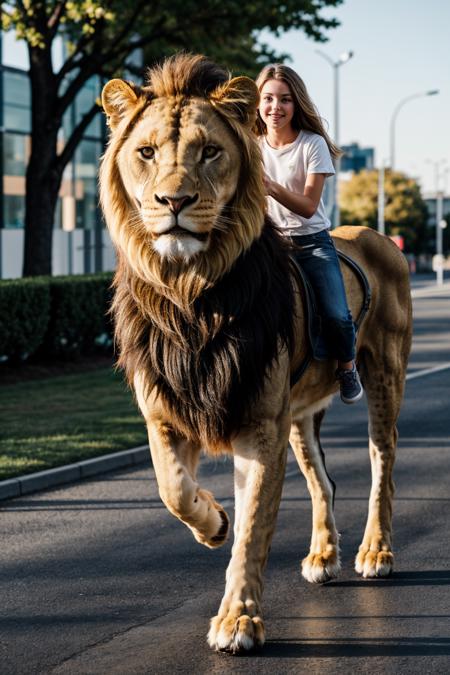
351	388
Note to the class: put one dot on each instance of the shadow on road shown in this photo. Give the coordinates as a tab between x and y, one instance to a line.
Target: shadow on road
77	504
357	648
426	578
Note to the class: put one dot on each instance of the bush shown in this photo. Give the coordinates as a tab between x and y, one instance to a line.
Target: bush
79	319
55	317
24	316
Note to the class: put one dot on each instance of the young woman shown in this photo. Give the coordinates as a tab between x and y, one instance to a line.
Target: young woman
297	155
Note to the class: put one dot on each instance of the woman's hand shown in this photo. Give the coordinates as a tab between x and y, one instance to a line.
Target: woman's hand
304	205
268	185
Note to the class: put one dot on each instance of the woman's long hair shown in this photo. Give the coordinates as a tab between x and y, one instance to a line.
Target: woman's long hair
306	115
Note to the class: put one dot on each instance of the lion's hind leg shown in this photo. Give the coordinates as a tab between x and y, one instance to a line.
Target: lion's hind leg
322	563
384	390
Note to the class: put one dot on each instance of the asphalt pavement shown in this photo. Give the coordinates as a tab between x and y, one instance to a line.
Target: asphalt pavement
97	577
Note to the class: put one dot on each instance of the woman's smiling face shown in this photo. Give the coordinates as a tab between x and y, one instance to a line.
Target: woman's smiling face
276	105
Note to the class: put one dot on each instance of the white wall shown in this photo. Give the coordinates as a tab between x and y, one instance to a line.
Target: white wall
15	52
11	247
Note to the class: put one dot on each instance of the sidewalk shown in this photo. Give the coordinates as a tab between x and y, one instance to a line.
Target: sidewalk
33	482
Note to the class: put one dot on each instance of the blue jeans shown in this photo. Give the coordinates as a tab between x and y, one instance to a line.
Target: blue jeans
317	256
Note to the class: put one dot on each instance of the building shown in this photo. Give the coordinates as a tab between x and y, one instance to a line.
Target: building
356	159
431	202
80	241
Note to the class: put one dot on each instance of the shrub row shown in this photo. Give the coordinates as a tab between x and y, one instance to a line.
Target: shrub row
54	317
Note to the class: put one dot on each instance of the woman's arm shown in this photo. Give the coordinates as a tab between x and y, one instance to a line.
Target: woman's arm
304	205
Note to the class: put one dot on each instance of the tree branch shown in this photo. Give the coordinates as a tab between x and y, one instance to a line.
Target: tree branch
77	134
72	63
129	25
55	18
122	52
92	68
90	65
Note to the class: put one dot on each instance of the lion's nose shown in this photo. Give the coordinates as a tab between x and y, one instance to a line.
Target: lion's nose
176	204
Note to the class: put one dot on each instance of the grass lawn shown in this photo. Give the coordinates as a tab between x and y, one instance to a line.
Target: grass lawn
49	422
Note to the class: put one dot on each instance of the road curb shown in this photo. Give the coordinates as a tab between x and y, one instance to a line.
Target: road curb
33	482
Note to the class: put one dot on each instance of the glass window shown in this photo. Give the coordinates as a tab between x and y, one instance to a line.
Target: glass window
67	125
17	101
17	119
86	168
57	216
14	154
83	103
87	211
17	89
87	158
14	211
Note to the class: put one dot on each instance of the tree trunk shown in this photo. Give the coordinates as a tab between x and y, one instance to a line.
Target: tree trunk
43	176
42	187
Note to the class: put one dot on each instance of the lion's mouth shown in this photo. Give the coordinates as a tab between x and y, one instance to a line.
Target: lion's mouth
178	231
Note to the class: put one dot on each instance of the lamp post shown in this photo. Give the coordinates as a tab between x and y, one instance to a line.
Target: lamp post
438	262
397	109
381	199
346	56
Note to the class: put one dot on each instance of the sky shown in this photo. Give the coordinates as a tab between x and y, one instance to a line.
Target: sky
401	48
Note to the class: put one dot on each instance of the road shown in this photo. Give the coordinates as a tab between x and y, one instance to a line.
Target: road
98	577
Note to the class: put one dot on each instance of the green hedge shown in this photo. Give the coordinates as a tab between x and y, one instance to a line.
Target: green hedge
54	317
24	316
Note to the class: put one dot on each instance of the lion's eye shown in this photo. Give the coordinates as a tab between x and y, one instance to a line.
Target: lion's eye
210	152
147	152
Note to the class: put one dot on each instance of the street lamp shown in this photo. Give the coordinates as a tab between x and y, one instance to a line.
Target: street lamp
381	198
346	56
438	261
397	109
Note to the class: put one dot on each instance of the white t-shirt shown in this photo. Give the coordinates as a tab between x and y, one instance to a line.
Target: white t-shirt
289	167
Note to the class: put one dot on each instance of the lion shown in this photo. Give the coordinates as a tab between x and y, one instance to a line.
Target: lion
210	326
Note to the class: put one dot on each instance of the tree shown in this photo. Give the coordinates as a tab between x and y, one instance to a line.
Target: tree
102	36
405	211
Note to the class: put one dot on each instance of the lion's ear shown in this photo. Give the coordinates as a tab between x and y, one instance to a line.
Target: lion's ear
237	98
118	97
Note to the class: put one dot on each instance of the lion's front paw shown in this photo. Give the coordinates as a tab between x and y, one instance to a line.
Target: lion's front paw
317	568
236	632
374	563
213	529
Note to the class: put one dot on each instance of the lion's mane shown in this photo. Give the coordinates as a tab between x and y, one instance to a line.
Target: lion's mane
185	76
203	332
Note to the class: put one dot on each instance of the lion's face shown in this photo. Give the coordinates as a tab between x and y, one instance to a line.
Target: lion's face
181	181
180	166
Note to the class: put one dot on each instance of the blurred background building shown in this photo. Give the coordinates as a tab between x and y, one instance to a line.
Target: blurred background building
356	159
80	241
432	205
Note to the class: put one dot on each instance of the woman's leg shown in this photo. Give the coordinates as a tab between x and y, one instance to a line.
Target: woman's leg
317	255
